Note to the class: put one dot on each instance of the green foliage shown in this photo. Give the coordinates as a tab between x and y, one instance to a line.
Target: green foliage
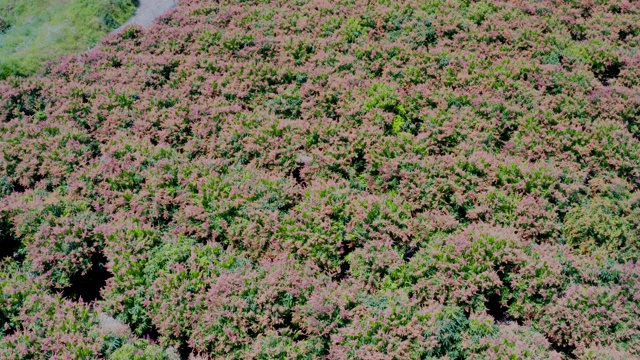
275	346
49	325
478	11
391	326
133	274
36	31
15	287
287	105
143	350
479	266
147	278
608	222
427	34
512	342
325	241
353	30
383	96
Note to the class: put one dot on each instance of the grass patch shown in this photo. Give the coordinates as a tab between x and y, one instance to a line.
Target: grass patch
33	32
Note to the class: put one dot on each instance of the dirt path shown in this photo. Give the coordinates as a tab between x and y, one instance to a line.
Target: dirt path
149	10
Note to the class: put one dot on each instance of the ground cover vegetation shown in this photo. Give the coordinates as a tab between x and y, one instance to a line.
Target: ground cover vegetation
34	32
330	179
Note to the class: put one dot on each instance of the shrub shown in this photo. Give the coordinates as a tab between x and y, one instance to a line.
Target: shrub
514	342
143	350
15	287
603	353
594	316
275	346
483	268
327	179
391	325
49	326
249	221
135	267
59	237
605	223
251	301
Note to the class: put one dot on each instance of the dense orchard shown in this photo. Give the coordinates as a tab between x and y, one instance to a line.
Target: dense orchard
330	179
